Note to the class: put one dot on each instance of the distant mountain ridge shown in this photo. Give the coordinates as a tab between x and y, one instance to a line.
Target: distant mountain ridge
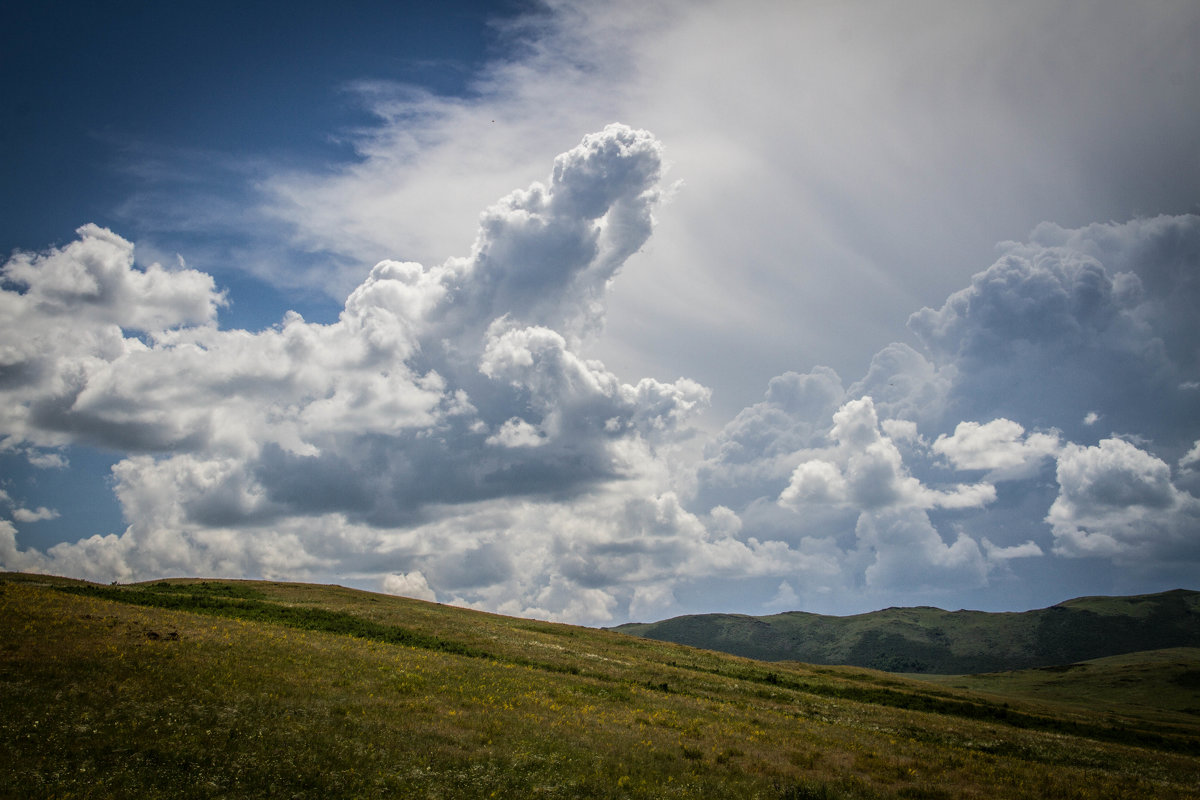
931	640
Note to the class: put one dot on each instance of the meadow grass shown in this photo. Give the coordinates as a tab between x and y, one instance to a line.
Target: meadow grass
246	689
1160	684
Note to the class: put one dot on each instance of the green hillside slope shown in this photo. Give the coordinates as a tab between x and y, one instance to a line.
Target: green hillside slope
1163	684
917	640
249	689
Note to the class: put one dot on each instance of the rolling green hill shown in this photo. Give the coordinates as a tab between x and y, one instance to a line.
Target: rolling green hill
190	688
920	640
1161	683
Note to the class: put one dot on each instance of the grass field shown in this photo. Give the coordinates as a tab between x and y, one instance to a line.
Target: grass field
248	689
1160	684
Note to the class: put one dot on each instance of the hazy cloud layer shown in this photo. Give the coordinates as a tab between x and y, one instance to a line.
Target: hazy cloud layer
842	164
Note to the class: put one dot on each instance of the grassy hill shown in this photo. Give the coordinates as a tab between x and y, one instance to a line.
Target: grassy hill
189	688
920	640
1157	683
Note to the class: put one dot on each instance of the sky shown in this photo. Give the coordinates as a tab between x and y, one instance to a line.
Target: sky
606	311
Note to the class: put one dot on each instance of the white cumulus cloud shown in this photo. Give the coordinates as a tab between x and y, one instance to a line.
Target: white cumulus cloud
1117	500
444	437
1000	446
34	515
409	584
1027	549
865	469
461	422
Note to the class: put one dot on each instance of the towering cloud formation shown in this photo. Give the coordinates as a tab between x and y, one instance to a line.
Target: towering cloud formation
428	389
446	438
436	386
443	434
1067	331
1101	315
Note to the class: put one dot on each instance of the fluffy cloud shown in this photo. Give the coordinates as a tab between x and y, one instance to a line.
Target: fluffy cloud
1027	549
12	556
1191	458
64	315
21	514
93	281
34	515
895	541
442	431
865	470
755	452
449	437
909	555
888	173
1000	446
410	584
1117	500
1064	331
429	389
1075	326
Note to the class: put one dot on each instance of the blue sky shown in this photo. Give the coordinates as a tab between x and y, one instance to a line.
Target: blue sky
606	311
